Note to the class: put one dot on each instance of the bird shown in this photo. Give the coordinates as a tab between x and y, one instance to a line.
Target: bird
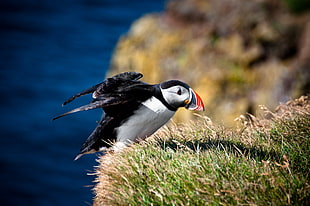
132	110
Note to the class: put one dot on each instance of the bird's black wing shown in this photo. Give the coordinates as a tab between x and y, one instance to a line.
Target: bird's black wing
117	90
82	93
113	103
107	85
104	102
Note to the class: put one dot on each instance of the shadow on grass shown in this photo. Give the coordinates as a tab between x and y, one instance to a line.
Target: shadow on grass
237	149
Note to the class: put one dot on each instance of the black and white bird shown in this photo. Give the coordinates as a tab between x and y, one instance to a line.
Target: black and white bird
133	110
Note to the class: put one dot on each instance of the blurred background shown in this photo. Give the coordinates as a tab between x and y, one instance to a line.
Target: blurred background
237	55
49	51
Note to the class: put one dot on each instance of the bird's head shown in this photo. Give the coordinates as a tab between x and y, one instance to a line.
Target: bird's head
178	94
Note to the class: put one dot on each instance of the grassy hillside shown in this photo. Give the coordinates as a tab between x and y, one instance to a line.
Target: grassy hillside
263	162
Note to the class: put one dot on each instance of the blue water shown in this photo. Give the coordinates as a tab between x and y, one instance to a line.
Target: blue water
49	51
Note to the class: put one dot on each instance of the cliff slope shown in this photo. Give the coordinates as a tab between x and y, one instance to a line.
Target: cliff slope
236	54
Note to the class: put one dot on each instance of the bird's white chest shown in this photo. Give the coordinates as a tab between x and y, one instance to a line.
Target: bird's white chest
144	122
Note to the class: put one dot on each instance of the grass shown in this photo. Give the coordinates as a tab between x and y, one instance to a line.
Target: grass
264	162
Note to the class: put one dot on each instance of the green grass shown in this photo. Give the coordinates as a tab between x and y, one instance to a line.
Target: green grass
264	162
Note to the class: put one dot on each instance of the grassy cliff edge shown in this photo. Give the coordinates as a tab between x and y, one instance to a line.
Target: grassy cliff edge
263	162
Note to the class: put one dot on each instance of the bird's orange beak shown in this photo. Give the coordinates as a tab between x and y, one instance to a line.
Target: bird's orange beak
195	102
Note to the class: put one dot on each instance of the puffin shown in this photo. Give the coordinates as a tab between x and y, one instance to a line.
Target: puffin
132	109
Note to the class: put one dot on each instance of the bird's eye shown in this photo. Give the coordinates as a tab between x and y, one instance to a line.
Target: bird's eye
179	92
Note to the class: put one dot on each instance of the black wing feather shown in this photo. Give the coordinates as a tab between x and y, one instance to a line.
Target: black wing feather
109	93
106	102
82	93
107	85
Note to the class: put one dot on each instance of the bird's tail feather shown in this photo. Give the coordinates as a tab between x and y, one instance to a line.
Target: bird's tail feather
95	142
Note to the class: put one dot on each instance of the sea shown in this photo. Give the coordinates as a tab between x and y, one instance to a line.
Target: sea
50	50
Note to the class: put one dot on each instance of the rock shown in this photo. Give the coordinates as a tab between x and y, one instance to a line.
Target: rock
236	54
